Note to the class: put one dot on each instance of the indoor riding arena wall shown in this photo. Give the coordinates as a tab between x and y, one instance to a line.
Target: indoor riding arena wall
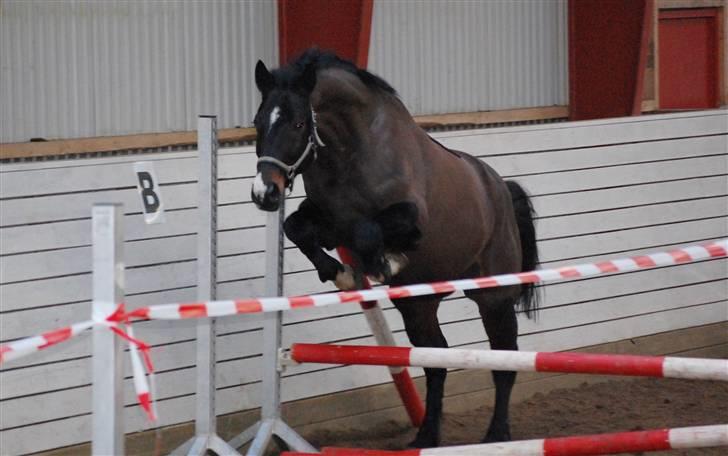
602	189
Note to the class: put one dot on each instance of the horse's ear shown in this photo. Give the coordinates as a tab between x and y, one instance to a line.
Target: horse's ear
263	78
308	78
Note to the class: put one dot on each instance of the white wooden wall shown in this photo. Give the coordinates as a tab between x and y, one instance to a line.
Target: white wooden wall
602	189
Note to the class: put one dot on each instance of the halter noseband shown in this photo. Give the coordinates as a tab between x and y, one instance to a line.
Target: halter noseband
314	142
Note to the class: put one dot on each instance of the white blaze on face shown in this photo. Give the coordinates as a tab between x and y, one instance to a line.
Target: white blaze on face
259	187
274	115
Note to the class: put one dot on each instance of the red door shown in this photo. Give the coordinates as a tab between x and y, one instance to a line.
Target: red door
688	53
342	26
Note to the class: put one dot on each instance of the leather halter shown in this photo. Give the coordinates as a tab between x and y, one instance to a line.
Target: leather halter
314	142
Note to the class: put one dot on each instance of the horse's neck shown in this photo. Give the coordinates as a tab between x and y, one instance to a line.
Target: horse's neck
361	129
359	170
359	134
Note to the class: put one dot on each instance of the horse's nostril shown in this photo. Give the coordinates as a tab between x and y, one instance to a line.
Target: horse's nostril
272	194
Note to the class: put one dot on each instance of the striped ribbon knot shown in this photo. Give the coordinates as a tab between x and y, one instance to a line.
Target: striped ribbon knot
117	322
140	370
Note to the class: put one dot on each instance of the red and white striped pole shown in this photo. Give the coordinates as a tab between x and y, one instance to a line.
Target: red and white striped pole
621	442
583	363
177	311
383	335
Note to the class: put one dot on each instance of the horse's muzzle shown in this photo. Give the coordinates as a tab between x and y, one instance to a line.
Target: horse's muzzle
267	198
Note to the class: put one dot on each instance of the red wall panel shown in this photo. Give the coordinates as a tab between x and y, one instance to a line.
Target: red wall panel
688	59
607	53
342	26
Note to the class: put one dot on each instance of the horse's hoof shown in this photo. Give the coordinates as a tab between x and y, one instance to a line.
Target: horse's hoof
424	440
346	279
327	267
494	436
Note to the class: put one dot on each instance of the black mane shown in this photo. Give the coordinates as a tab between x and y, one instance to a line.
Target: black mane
288	75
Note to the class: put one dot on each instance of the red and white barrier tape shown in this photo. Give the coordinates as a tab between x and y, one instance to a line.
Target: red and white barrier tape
243	306
23	347
621	442
570	363
16	349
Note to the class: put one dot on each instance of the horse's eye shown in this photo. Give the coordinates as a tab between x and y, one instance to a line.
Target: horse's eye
300	124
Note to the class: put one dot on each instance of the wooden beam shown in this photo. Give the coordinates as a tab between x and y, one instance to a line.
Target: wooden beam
489	117
65	147
649	105
672	4
648	22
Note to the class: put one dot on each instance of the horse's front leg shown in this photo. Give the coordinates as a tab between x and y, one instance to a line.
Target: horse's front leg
381	242
302	228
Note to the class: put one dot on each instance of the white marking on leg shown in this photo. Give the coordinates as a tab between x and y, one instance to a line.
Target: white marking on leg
397	262
259	187
274	115
345	280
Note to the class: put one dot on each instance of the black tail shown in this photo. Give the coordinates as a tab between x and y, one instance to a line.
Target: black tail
525	214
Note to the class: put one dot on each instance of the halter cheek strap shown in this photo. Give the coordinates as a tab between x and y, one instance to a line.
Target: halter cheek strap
314	142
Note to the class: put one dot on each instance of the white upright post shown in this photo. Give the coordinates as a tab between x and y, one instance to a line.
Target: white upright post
272	321
271	423
271	386
107	436
206	437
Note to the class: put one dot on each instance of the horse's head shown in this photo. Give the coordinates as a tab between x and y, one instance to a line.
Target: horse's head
287	137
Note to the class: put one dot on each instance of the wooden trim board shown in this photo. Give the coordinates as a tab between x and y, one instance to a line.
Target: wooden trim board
487	117
464	388
673	4
66	147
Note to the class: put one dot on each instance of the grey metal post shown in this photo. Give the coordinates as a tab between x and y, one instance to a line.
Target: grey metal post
107	434
272	324
271	423
273	321
206	437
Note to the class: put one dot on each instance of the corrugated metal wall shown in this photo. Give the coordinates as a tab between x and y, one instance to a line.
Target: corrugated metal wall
79	68
463	56
88	68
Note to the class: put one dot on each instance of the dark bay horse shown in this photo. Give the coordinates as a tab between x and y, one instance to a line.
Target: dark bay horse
407	208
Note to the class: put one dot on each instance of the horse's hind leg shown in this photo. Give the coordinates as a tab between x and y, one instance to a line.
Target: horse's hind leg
420	322
497	309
